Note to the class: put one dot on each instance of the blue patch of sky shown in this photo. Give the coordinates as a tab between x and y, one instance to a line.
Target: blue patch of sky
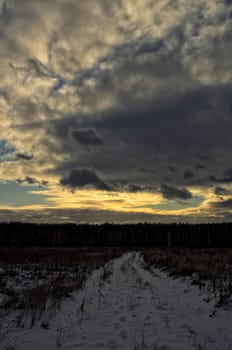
15	195
3	12
178	205
194	202
130	49
5	149
60	82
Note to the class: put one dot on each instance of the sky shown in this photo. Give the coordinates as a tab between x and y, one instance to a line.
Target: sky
116	111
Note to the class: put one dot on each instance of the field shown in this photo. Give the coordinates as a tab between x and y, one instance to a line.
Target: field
209	269
115	298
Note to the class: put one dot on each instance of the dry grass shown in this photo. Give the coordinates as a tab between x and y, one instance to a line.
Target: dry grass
35	280
209	268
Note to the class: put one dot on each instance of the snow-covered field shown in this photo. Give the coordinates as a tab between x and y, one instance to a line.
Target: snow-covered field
125	306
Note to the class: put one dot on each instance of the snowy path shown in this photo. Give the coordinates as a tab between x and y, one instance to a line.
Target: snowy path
124	306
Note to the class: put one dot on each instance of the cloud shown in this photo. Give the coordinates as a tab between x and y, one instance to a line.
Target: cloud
87	137
227	179
58	215
200	166
148	92
172	169
24	156
82	177
9	153
188	174
228	172
220	191
170	192
28	180
134	188
226	204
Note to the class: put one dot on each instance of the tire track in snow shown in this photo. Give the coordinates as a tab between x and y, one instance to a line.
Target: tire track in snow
125	306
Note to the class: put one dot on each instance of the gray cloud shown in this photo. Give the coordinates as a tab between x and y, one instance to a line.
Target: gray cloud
28	180
226	204
188	174
170	192
221	180
228	172
134	188
220	191
172	169
82	177
153	90
96	216
23	156
87	137
199	166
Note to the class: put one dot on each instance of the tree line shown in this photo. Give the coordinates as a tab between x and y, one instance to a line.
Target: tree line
99	235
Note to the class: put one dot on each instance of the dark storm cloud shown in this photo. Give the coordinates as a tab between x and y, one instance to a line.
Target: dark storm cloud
226	178
136	133
153	123
200	166
228	172
228	2
170	192
153	129
24	156
134	188
87	136
149	92
202	157
226	204
172	169
221	180
188	174
82	177
28	180
220	191
142	121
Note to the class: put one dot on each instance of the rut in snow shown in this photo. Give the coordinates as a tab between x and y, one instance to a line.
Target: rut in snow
125	306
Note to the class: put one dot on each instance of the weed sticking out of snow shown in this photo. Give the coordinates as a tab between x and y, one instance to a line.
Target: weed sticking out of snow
209	269
108	301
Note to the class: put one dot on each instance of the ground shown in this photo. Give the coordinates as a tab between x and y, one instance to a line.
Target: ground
125	305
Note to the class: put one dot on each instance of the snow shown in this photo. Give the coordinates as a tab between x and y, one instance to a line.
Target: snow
3	298
125	306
